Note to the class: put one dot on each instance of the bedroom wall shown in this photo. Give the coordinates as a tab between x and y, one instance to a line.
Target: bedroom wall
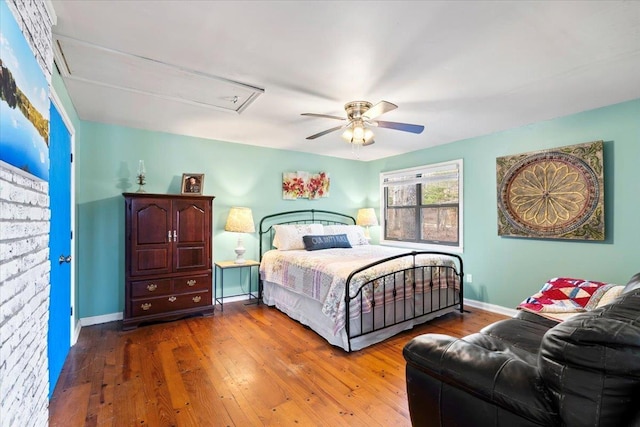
236	174
506	270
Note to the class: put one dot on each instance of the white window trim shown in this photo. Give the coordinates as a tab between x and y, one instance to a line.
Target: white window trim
424	246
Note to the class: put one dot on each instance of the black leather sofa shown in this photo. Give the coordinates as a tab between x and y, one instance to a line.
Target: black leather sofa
532	371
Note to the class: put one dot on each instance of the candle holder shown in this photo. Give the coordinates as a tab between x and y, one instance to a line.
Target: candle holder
141	183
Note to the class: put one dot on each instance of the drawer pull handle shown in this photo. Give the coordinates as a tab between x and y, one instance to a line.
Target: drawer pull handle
191	282
197	298
152	287
146	306
172	298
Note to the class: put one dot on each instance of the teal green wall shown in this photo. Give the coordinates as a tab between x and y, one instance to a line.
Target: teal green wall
504	270
237	175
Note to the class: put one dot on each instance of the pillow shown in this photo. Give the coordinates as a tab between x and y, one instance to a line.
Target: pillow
289	236
354	233
323	241
610	295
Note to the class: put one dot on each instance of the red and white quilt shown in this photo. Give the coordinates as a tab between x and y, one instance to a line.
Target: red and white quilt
566	295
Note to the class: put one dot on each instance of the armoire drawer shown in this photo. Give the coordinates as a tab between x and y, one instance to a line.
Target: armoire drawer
150	288
193	283
167	304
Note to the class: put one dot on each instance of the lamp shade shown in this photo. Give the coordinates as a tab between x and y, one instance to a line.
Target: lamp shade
240	220
366	217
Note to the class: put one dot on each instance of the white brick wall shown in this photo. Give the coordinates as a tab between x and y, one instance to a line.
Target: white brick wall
24	299
24	263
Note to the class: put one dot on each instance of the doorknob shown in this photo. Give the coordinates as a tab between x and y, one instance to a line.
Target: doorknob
64	259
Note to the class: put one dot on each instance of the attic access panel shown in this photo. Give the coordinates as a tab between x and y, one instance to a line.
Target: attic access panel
98	65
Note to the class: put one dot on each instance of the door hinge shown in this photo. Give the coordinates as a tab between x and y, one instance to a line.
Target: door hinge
71	311
71	157
71	235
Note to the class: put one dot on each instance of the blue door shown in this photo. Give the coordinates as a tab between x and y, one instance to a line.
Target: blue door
59	340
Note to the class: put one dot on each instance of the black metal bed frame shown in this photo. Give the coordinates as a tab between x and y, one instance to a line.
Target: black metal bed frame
429	277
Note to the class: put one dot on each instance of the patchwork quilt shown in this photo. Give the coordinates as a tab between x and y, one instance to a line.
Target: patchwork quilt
566	295
322	275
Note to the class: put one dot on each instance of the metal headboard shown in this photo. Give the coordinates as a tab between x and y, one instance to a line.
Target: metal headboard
305	216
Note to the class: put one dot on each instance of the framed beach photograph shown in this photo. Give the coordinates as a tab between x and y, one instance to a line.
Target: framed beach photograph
192	183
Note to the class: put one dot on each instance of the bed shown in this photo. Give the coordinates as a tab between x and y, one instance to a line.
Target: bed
389	289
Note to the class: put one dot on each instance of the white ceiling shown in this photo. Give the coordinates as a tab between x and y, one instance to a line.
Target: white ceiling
460	68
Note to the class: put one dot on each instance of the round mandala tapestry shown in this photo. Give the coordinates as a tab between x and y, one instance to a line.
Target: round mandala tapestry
549	194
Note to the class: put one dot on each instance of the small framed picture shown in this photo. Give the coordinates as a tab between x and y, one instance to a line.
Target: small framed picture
192	183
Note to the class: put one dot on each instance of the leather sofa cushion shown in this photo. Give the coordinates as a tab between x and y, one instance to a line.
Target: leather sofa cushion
591	362
521	340
491	376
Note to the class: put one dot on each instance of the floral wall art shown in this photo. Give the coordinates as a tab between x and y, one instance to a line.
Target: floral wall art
552	194
305	185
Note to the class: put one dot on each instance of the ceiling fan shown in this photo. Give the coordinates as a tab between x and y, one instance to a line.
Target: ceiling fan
361	114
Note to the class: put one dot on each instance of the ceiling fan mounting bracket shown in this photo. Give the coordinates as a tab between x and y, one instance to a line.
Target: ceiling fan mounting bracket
355	109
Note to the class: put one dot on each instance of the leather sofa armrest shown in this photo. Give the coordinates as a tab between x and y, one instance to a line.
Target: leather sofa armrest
494	377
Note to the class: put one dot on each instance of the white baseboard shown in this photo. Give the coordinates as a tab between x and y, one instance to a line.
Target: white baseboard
236	298
106	318
76	332
491	307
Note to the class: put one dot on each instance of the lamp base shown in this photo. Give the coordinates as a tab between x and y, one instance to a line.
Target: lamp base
240	250
367	234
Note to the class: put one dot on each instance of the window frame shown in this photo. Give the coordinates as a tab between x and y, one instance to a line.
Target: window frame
424	169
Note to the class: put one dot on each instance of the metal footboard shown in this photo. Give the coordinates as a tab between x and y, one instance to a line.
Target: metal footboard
392	298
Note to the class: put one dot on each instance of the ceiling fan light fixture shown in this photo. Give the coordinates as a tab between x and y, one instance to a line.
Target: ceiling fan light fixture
348	134
358	132
368	135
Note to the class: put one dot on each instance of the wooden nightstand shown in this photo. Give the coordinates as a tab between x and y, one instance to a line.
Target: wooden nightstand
221	266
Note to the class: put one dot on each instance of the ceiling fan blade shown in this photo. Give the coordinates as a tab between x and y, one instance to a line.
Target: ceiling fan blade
326	116
379	109
324	132
405	127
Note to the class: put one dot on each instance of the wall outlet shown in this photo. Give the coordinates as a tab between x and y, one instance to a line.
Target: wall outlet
469	278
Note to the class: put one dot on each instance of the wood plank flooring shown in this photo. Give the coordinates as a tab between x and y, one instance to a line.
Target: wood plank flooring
247	366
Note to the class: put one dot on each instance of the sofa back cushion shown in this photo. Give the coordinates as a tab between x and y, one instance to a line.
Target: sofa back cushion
633	284
591	363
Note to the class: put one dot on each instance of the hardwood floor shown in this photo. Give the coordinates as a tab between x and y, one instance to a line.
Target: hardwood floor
247	366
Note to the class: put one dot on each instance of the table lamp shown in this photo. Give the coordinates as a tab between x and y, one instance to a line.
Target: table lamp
366	217
240	220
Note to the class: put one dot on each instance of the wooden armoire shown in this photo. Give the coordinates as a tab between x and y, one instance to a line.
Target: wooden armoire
168	242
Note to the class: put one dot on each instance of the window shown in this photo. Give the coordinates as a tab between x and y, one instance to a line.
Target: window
422	207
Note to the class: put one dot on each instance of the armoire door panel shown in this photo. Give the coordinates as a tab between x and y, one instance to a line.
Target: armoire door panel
157	220
190	222
151	248
190	257
153	260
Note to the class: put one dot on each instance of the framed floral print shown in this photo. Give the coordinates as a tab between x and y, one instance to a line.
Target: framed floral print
305	185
